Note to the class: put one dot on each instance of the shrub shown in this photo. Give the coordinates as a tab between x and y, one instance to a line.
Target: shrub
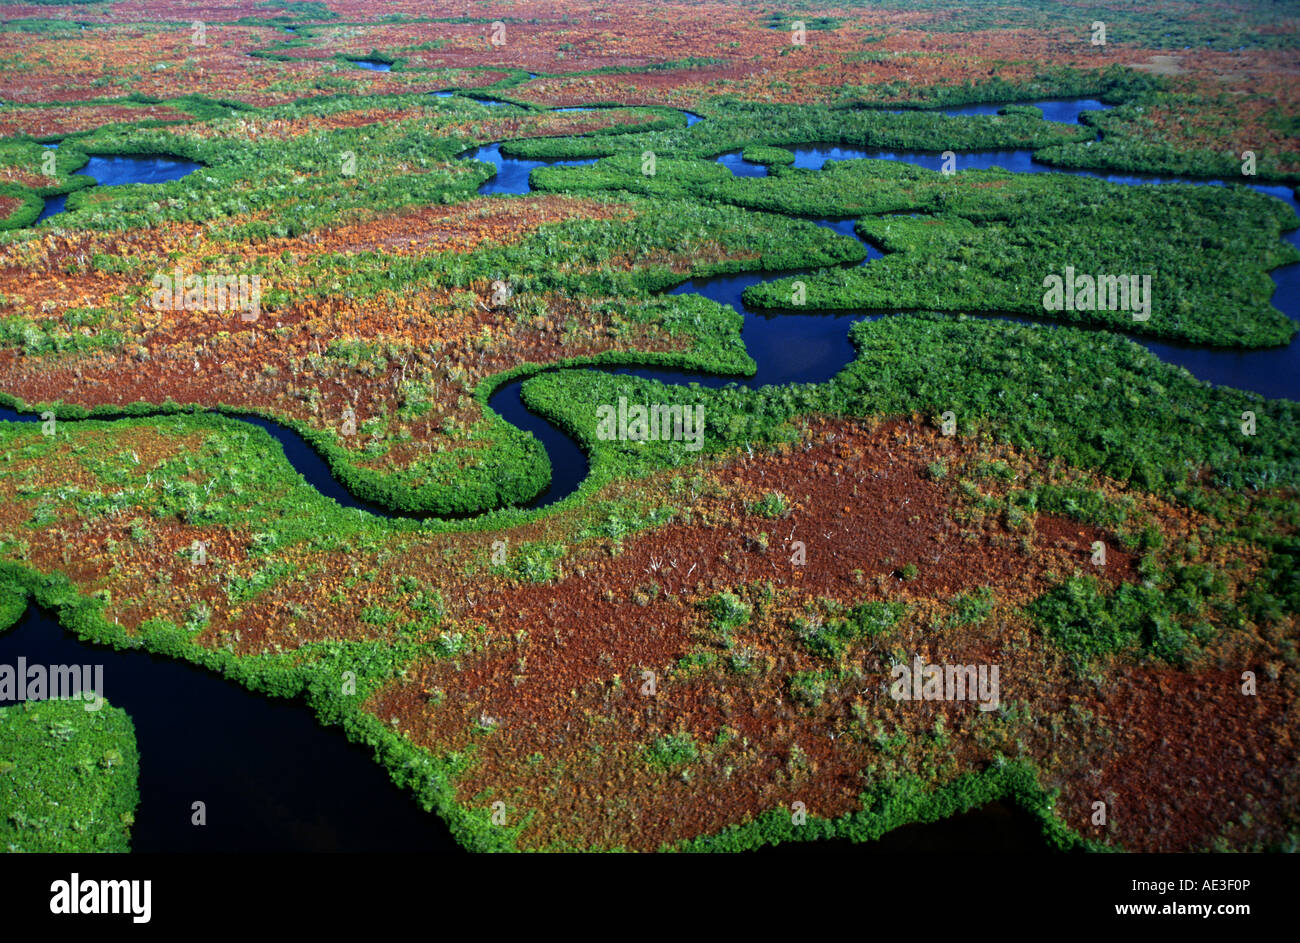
772	504
809	687
674	750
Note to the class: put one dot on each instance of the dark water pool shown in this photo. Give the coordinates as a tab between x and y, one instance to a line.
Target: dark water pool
121	169
740	167
512	172
1064	110
271	777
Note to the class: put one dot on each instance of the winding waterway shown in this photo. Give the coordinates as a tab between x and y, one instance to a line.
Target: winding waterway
274	779
112	171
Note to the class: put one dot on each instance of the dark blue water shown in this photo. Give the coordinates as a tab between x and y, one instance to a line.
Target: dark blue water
113	171
512	173
741	167
272	778
54	205
1272	372
1064	110
374	65
569	465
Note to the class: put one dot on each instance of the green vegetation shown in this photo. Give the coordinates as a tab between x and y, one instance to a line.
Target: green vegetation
1081	504
772	156
535	562
13	603
971	608
729	612
772	504
1167	619
995	237
26	213
809	687
905	800
830	636
736	125
673	751
67	778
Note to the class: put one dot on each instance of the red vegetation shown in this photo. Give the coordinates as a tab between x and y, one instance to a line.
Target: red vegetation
569	682
1190	759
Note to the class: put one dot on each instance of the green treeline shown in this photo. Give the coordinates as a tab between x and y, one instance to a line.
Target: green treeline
68	777
994	238
987	239
736	125
903	801
1095	400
